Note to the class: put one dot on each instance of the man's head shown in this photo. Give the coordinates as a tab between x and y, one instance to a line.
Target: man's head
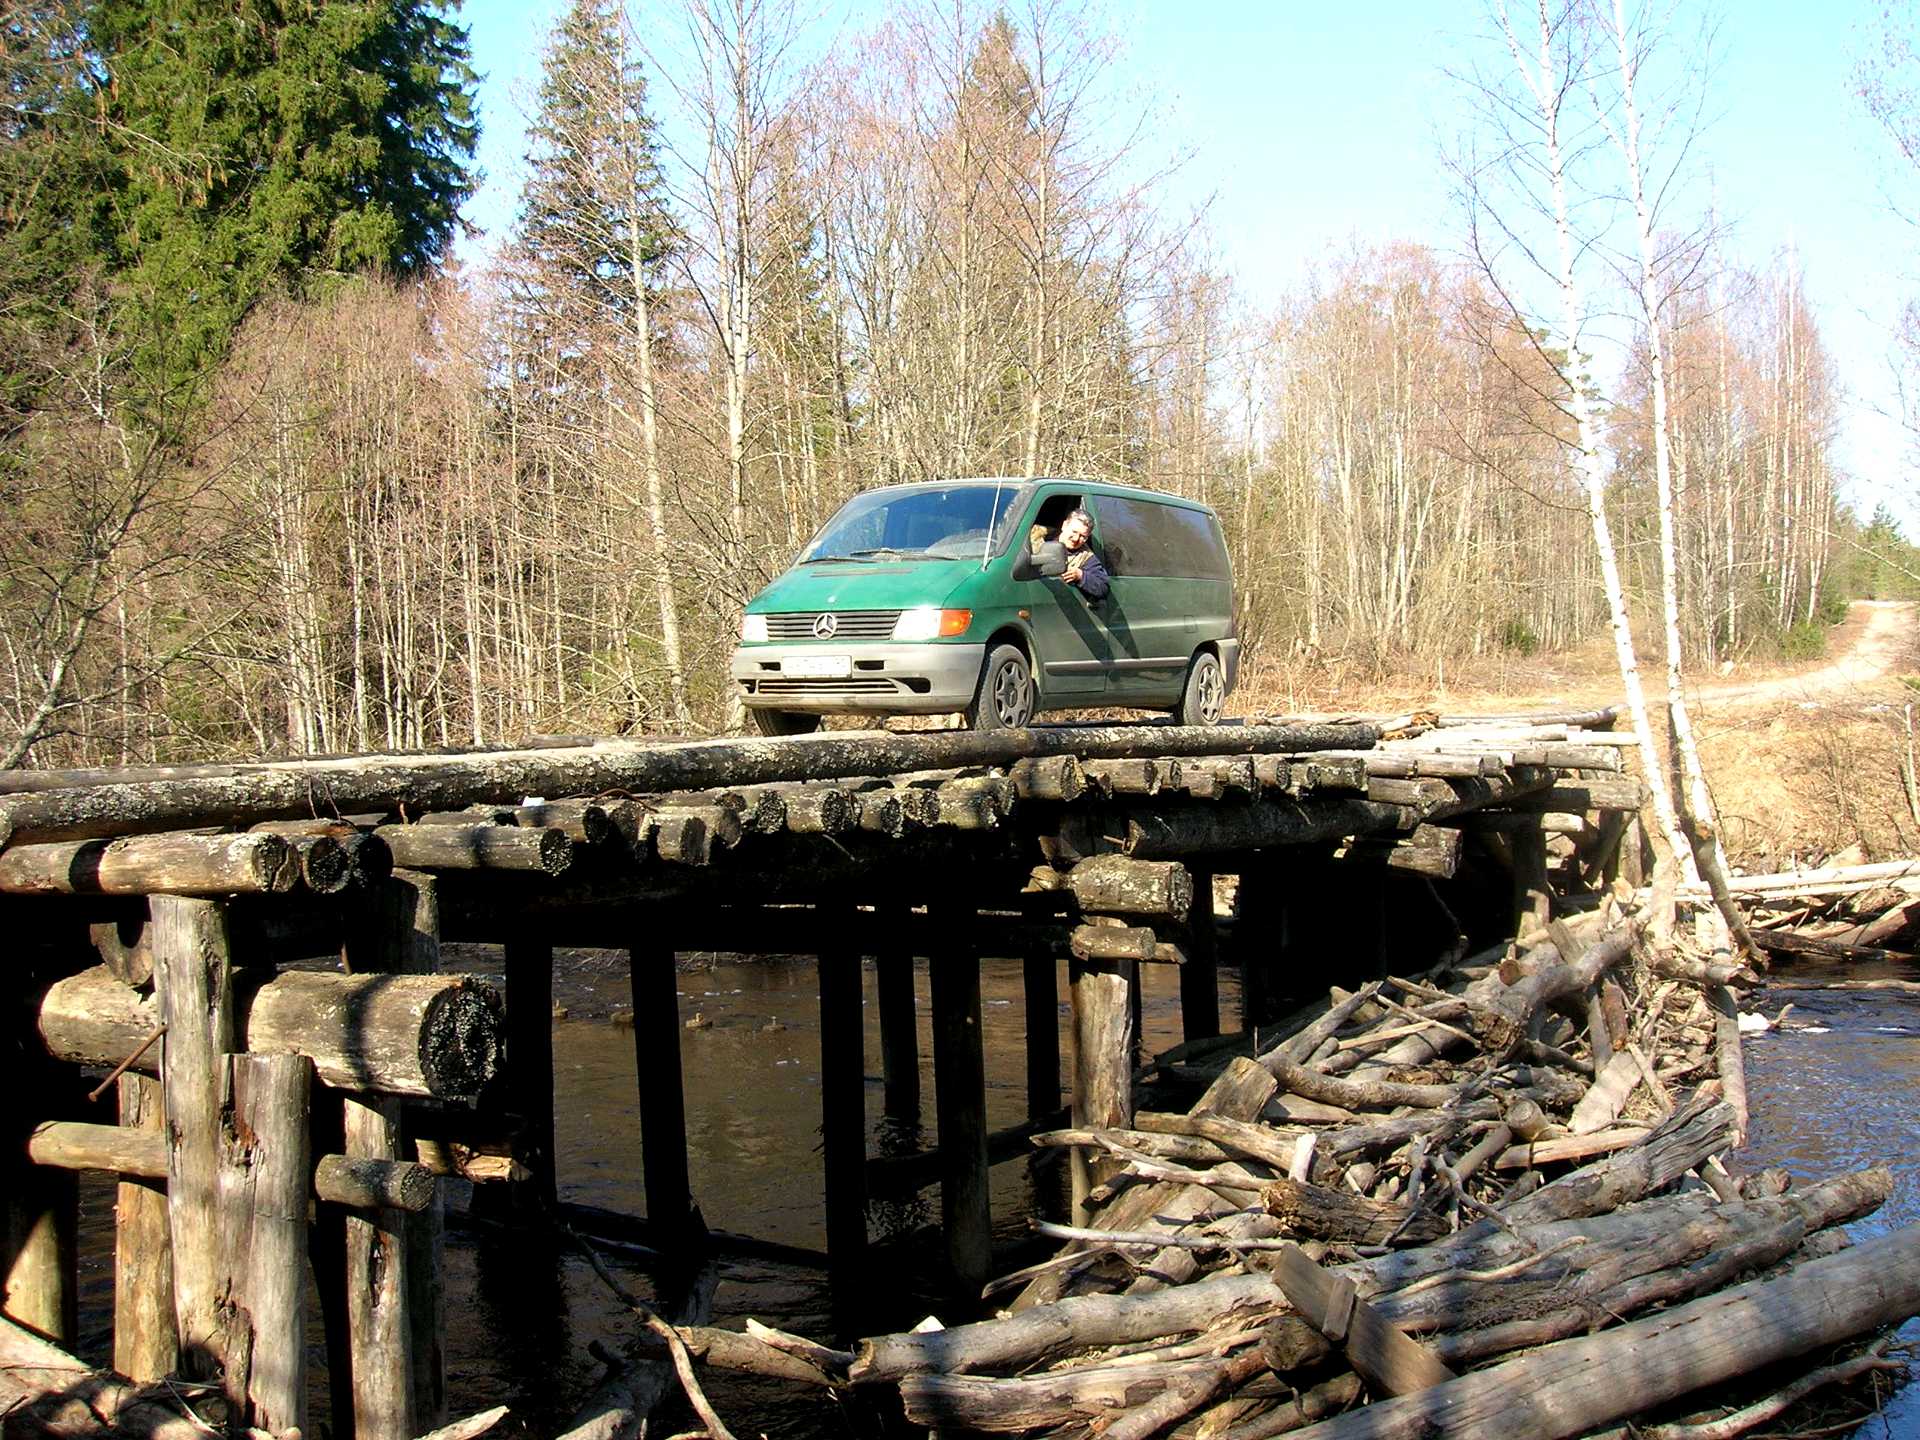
1076	530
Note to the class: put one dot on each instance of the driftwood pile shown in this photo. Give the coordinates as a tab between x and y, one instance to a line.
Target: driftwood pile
1487	1200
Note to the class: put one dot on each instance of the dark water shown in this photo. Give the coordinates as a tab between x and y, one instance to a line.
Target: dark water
1841	1094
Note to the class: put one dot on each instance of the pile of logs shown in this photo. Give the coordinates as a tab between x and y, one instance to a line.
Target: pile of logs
1487	1196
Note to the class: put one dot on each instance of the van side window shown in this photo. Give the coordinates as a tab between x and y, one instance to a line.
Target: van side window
1139	537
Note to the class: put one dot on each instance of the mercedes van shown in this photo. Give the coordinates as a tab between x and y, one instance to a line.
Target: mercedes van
942	596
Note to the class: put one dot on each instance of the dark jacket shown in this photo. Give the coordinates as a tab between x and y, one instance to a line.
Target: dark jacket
1094	580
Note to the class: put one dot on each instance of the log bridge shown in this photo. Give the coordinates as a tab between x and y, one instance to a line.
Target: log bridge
276	1115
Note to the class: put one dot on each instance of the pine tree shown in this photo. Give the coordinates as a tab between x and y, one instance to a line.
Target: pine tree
258	146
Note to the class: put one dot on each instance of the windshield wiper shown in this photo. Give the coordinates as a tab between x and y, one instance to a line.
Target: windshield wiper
857	558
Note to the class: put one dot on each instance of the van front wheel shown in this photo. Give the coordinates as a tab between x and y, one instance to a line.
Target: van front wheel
784	722
1206	693
1004	700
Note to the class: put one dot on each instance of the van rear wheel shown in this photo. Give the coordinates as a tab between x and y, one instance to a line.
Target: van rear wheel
1004	700
1206	693
784	722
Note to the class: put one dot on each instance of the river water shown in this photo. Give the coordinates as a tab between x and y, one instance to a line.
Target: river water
1836	1088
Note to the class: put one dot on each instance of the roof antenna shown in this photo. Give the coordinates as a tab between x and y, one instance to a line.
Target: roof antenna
993	523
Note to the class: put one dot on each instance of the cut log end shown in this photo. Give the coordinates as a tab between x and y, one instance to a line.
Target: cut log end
462	1042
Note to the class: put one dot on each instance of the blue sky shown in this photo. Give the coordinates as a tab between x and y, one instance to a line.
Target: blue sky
1308	124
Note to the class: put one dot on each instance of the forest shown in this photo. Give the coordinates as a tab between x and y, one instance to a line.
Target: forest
278	474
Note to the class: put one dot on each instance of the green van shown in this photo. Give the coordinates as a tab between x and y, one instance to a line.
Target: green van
937	597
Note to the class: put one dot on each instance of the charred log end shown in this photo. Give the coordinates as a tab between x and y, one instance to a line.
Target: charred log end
374	1184
274	861
325	864
836	812
883	814
463	1041
371	859
595	826
767	815
556	852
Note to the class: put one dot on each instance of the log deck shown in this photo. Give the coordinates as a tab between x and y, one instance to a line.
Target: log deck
1092	848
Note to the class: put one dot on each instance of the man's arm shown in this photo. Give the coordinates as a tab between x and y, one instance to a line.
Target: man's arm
1094	581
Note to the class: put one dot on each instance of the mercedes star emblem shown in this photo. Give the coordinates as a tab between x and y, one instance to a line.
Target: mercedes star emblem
824	626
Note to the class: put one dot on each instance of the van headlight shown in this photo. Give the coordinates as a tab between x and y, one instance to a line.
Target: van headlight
923	622
753	628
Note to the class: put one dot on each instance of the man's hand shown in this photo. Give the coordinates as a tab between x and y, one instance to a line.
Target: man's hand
1072	577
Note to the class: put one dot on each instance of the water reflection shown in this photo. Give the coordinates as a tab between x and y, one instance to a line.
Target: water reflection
1838	1089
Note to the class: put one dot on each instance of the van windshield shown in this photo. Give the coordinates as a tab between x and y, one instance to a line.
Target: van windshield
936	522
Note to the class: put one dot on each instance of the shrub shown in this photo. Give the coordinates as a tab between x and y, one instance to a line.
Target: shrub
1806	640
1516	635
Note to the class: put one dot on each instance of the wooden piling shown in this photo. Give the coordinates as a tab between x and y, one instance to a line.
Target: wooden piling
899	1033
529	976
663	1115
145	1343
1040	982
1102	1066
267	1151
959	1084
379	1319
1200	976
843	1130
1532	891
193	968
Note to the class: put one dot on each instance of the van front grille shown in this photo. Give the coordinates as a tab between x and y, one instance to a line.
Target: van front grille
831	685
848	625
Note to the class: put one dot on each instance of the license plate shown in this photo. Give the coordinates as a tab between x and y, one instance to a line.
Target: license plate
821	666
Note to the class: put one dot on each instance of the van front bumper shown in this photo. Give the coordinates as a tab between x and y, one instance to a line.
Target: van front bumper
884	679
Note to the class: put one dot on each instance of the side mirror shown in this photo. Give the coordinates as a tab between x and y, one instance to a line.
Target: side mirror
1049	561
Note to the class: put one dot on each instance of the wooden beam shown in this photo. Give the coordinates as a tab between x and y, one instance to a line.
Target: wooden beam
960	1099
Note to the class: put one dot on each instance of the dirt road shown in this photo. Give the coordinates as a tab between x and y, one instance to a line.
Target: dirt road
1877	639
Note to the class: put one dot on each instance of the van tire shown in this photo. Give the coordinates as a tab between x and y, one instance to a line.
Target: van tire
784	722
1004	698
1206	693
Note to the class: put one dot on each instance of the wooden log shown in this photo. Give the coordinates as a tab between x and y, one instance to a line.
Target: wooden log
379	1312
1386	1358
683	836
820	810
881	812
663	1108
1053	777
1113	942
451	782
1430	850
1578	1385
478	847
123	947
44	1391
145	1342
529	1089
1685	1141
193	978
440	1036
1102	1071
899	1028
1115	885
972	804
140	1152
267	1318
1320	1213
1123	777
843	1131
153	865
1064	1327
1040	989
583	822
1178	832
1200	972
1586	795
959	1077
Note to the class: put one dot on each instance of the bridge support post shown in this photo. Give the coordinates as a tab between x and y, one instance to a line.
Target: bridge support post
1040	981
899	1031
843	1130
960	1101
1200	976
663	1112
1103	1040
